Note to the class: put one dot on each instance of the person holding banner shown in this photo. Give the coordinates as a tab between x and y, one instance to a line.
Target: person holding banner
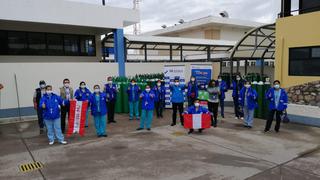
213	101
196	109
66	93
248	100
159	91
98	101
278	99
38	94
133	97
177	99
223	90
237	85
111	91
147	101
51	104
192	90
83	94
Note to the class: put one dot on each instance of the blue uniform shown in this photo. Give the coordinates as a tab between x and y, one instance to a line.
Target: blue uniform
147	103
53	104
192	110
283	99
111	92
159	92
236	88
248	100
177	93
133	92
98	107
223	90
83	95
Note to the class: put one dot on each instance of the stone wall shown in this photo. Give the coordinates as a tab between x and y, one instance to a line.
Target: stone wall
305	94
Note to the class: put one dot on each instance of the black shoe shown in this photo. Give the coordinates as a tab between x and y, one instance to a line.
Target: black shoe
245	126
249	127
41	131
139	129
190	131
215	125
266	131
277	131
173	124
99	136
105	135
222	116
113	121
149	129
200	130
86	126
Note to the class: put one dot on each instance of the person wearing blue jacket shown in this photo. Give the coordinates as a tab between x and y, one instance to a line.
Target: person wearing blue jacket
248	101
83	94
237	85
98	101
177	99
278	102
147	103
50	104
223	89
111	91
159	91
133	92
196	109
192	90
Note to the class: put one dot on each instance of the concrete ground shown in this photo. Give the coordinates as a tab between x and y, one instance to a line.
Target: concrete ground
226	152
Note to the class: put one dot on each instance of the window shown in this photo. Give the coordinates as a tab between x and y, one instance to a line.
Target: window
17	43
55	44
307	6
71	45
3	43
252	63
304	61
87	44
37	44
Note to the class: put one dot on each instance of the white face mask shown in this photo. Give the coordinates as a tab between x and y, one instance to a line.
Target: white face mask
42	86
133	83
219	80
193	79
247	85
196	104
110	82
148	90
238	78
83	86
96	90
176	83
277	86
66	85
49	92
159	84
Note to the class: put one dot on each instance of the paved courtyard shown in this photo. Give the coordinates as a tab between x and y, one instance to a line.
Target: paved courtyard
226	152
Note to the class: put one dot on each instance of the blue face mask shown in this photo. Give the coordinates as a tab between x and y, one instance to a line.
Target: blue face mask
277	86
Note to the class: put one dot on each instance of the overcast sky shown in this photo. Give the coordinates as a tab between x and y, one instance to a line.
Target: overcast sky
155	13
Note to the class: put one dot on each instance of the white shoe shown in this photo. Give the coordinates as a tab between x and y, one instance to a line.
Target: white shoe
236	118
242	118
51	143
63	142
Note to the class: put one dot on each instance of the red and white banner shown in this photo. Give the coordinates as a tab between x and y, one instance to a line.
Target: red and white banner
197	121
77	117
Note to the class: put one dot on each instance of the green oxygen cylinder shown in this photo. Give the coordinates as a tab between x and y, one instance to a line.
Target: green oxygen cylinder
125	100
267	86
255	87
118	105
260	99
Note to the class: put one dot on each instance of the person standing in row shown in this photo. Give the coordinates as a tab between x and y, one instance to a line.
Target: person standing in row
159	91
98	103
248	101
223	90
192	91
196	109
133	97
278	102
38	94
66	93
83	94
111	91
51	104
147	103
177	99
237	85
213	101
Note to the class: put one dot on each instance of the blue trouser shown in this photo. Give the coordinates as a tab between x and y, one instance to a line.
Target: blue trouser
54	129
222	106
100	124
87	117
146	118
134	108
248	116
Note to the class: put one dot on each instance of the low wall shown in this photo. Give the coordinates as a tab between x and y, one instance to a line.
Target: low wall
305	94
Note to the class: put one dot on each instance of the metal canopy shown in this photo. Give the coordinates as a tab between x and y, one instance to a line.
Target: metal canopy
259	43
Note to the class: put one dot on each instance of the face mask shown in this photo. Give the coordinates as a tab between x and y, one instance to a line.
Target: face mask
176	83
148	90
66	85
110	82
277	86
159	84
247	85
196	104
193	79
133	83
83	86
49	92
219	80
42	86
238	78
96	90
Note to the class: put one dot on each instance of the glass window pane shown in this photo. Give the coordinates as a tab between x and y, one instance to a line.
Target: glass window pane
71	45
315	52
17	43
299	53
3	43
37	44
87	46
55	44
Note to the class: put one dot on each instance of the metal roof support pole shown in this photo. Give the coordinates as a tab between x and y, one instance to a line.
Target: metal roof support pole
181	53
231	69
170	52
208	53
145	53
221	66
238	65
119	51
246	67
